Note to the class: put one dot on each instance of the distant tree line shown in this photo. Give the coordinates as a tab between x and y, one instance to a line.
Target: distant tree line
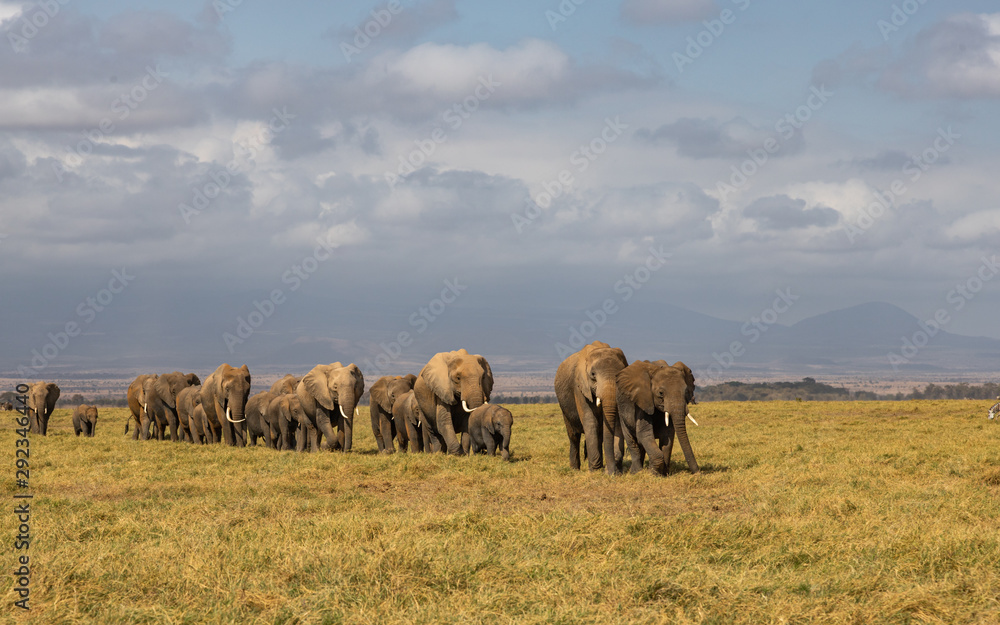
811	390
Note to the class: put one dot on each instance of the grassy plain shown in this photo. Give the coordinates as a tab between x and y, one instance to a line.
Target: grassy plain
841	512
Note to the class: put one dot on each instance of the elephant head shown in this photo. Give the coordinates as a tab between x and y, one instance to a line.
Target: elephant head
658	388
136	397
331	392
597	368
42	397
286	384
459	378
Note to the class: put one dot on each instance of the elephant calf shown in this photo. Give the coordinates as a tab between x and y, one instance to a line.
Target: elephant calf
85	420
489	429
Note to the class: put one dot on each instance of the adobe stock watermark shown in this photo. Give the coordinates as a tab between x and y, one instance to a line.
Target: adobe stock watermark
581	333
27	27
563	12
222	7
87	311
753	329
202	196
294	277
913	170
580	161
714	28
901	14
963	293
420	320
786	127
122	108
452	118
365	33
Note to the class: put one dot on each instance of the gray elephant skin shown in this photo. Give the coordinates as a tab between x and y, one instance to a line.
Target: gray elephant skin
329	395
191	429
287	420
489	430
224	398
257	425
42	397
449	387
384	394
653	400
85	420
586	387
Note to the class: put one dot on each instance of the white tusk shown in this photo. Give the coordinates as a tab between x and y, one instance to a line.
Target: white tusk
342	412
357	413
229	416
465	406
598	402
666	417
692	419
145	407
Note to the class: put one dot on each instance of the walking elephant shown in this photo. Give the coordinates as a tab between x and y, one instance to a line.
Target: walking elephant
489	429
42	397
257	426
85	420
384	394
586	387
161	402
653	400
449	387
187	399
224	398
286	420
136	396
329	395
409	424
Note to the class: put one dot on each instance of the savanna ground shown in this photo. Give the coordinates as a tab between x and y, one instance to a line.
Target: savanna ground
845	512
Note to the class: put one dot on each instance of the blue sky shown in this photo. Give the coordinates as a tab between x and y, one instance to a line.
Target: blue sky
501	102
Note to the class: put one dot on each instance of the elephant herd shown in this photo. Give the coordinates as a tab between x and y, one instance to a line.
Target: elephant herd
444	408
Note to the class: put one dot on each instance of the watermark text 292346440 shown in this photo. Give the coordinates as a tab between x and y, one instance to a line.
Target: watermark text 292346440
22	504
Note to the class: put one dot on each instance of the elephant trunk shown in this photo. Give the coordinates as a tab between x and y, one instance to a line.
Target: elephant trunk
678	416
348	406
235	406
614	449
472	396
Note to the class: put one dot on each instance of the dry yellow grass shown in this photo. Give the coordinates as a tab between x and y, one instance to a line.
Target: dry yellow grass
842	512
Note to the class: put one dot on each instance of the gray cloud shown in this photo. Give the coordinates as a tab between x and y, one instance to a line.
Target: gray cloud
781	212
707	138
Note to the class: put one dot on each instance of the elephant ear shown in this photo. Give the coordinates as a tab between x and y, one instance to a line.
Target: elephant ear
410	380
315	383
621	356
487	381
436	373
583	369
359	380
193	379
53	390
380	394
635	383
688	378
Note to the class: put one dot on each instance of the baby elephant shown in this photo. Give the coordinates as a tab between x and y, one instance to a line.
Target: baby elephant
489	428
85	419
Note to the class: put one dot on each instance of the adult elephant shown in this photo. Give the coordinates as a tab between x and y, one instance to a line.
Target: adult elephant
489	429
187	399
161	402
85	420
384	394
257	426
586	388
136	396
653	400
42	397
224	399
285	418
409	424
449	387
286	384
329	395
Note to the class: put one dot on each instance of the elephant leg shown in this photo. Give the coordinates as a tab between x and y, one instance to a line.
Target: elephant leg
446	430
268	439
387	429
574	450
138	426
146	424
375	413
592	431
324	426
667	446
174	424
645	435
491	444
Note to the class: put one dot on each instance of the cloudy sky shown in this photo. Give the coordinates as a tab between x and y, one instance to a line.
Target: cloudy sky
166	169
